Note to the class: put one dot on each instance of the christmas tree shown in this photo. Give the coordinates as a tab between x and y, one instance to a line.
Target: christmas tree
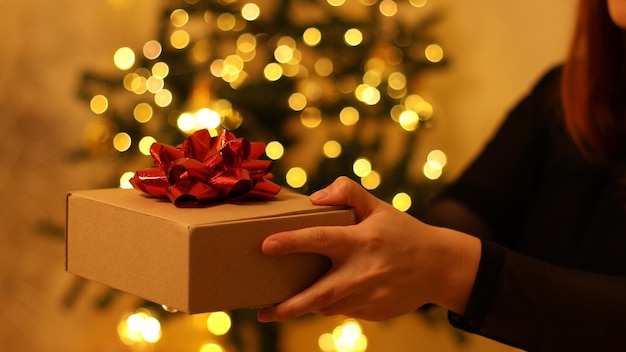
331	86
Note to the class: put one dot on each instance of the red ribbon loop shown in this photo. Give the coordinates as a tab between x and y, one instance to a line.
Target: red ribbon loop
208	169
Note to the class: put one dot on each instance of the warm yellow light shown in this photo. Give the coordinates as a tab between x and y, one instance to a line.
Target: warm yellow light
396	111
226	21
424	109
124	58
348	337
160	70
250	11
324	67
152	49
332	149
186	122
297	101
283	54
418	3
155	84
179	18
99	104
396	80
246	43
296	177
208	118
432	170
274	150
143	112
409	120
139	327
122	142
433	53
326	342
437	156
362	167
218	323
367	94
349	116
353	37
312	36
231	119
125	180
311	117
371	181
273	71
336	3
217	68
372	78
163	98
401	201
211	347
139	85
233	64
129	80
388	8
151	331
145	143
180	39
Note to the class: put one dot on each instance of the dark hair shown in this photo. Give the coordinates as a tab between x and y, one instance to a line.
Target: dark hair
593	83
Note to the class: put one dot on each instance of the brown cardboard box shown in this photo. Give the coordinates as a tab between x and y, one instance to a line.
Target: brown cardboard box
192	259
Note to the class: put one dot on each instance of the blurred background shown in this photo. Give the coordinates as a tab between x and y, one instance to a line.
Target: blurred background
399	95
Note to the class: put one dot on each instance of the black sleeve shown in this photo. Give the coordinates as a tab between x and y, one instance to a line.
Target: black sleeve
533	305
498	185
517	299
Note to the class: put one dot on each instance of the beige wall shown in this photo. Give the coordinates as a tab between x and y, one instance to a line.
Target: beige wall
498	49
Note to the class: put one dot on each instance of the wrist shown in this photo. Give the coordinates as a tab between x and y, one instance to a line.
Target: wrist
459	266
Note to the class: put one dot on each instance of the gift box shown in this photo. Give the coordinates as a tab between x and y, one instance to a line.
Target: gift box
200	259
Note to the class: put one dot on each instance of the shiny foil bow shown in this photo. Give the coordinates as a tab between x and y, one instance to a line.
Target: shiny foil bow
208	169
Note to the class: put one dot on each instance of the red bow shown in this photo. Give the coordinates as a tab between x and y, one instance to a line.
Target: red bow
206	169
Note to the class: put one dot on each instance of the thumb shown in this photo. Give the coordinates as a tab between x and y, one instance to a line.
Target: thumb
344	191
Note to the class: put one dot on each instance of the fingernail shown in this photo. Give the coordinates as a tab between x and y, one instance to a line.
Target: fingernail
264	316
271	247
319	195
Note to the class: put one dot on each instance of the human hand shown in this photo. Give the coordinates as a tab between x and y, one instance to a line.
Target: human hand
385	265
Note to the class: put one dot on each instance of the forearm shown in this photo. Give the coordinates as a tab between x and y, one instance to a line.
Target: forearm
457	256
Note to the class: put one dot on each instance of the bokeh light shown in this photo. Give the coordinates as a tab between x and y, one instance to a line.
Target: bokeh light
296	177
362	167
401	201
250	11
124	58
218	323
274	150
152	49
332	149
122	142
99	104
312	36
353	37
433	53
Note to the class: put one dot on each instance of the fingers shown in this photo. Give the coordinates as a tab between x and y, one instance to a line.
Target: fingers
323	293
324	240
344	191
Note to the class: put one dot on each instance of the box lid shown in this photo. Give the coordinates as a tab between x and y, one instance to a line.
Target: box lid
285	203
